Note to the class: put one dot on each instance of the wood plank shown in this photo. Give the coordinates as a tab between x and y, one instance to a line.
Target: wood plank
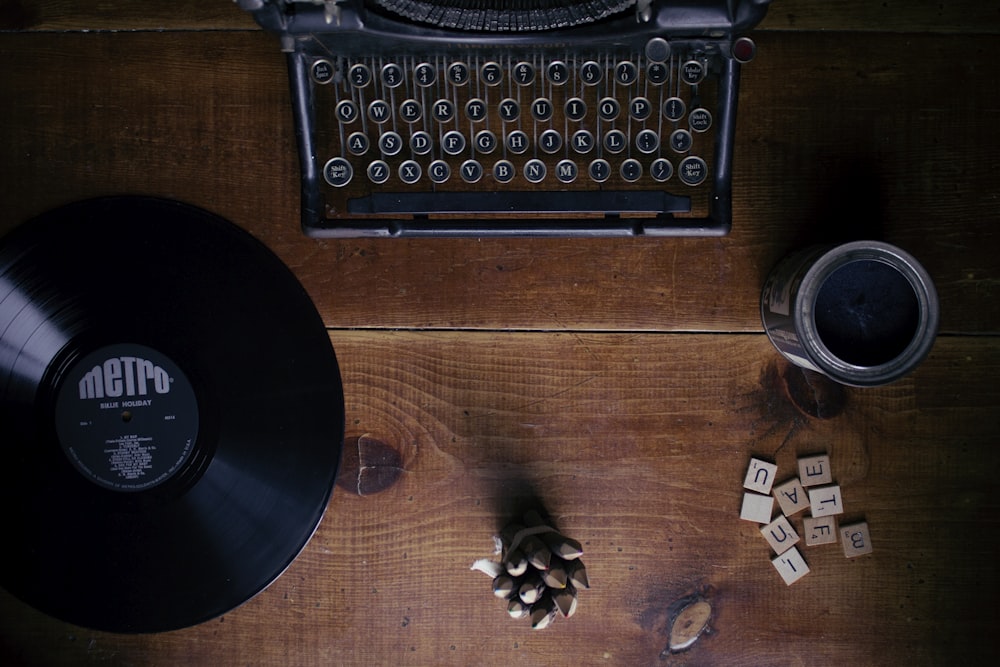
637	445
205	118
957	16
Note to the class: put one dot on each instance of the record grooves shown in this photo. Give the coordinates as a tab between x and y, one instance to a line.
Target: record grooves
171	410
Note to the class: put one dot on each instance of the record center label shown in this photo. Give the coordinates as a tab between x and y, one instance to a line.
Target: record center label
126	417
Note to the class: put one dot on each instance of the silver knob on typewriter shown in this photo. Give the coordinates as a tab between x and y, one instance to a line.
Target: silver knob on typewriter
658	50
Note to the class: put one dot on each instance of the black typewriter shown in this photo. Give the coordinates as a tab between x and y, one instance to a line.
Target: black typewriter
544	117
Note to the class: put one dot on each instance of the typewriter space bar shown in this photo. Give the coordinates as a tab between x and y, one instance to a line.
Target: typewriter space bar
608	202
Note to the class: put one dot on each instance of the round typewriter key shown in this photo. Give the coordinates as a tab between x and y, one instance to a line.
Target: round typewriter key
535	171
338	172
680	141
360	75
472	171
503	171
491	74
346	111
509	110
657	74
575	109
439	171
661	170
567	171
631	170
379	112
392	75
425	75
378	172
599	171
640	108
410	111
692	171
557	73
591	73
583	141
517	142
615	141
458	73
608	108
444	111
674	108
744	50
700	120
322	71
541	109
550	141
453	142
523	73
390	143
692	72
486	141
410	172
647	141
626	73
421	143
358	143
475	110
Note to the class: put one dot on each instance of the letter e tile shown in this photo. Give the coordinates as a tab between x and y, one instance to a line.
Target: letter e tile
815	470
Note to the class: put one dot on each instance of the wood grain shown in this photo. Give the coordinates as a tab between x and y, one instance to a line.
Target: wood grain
623	384
637	446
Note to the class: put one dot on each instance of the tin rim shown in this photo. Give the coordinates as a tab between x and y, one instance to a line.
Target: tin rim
927	302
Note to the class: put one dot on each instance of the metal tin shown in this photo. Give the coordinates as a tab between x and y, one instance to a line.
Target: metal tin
863	313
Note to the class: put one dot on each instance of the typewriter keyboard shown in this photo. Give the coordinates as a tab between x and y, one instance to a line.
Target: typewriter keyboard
485	122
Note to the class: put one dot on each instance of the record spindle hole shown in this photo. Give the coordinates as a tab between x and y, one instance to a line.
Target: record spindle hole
127	416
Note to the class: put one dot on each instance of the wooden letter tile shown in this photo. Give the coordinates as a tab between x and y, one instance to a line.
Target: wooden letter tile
856	539
819	531
815	470
760	476
757	508
791	566
826	501
780	535
791	497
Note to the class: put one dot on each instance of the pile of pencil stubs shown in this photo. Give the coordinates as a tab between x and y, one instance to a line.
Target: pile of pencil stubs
540	571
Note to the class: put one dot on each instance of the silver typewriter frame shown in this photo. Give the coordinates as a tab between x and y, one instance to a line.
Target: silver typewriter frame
302	25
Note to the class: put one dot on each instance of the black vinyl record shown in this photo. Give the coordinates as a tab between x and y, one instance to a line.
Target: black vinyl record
171	413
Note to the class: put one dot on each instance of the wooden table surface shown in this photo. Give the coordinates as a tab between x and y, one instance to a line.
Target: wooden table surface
624	384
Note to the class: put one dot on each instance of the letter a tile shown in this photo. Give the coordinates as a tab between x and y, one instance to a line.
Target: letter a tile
791	497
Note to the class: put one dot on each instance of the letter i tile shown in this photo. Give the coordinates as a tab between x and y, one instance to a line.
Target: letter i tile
791	566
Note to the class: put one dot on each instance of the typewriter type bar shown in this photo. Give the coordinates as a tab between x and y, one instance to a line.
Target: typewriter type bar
418	119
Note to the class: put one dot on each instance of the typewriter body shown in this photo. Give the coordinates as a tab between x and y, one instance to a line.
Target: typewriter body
466	117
